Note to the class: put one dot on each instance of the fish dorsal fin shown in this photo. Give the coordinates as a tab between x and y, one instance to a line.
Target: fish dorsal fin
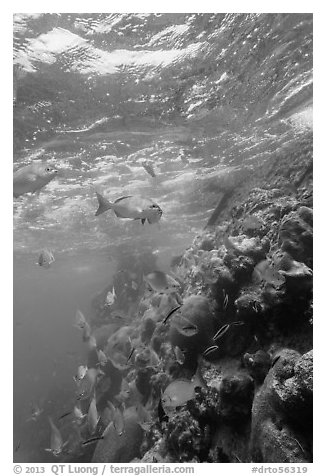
122	198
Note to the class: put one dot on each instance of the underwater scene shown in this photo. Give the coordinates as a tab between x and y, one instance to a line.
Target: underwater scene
163	230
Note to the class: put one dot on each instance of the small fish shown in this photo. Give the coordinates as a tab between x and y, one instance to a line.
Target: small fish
134	285
87	331
78	414
125	386
92	416
102	358
110	297
170	314
117	365
81	372
117	418
64	415
32	178
92	440
135	207
179	355
154	360
275	360
237	323
87	385
130	354
35	413
80	320
149	168
17	446
46	258
210	350
161	282
91	342
56	442
221	332
226	300
144	418
119	314
188	330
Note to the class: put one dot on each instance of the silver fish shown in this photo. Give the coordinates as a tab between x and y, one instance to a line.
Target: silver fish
80	320
102	358
56	444
92	416
46	258
210	350
78	414
144	417
91	342
179	355
117	419
221	331
110	297
32	178
138	208
81	372
161	282
35	413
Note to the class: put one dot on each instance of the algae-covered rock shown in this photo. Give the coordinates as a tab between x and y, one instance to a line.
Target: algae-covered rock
258	365
296	235
281	410
236	396
120	449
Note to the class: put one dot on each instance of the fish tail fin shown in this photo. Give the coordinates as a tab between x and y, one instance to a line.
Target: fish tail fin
103	204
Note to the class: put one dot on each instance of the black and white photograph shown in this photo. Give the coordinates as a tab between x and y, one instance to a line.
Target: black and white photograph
162	238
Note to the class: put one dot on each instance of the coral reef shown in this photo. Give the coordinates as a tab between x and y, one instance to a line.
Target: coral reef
246	293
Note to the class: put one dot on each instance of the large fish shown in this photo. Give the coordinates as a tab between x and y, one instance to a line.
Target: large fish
32	177
138	208
149	168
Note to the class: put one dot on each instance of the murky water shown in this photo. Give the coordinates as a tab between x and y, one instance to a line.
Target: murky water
208	99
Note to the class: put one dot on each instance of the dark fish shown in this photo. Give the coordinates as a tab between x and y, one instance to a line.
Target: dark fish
237	323
275	360
210	350
64	415
92	440
149	168
221	331
188	330
46	258
170	314
131	354
226	300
